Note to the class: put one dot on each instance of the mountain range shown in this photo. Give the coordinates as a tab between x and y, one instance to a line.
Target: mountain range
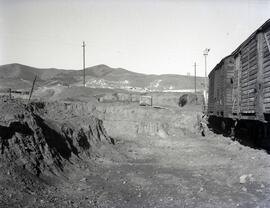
18	76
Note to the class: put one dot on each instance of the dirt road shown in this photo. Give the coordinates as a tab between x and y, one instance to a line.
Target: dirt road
190	171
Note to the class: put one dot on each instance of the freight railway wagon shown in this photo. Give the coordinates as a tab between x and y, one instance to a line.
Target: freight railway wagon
239	87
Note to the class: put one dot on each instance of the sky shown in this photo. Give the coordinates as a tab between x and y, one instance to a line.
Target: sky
145	36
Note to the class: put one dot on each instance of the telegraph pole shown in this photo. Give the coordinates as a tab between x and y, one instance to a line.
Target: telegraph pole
195	77
83	45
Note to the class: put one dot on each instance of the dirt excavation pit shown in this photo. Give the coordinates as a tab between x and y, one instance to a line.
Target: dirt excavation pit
131	121
84	154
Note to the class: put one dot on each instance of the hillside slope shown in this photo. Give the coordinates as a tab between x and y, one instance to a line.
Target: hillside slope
18	76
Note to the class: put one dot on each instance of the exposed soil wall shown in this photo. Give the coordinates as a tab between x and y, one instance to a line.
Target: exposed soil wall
31	139
169	99
133	121
129	120
44	137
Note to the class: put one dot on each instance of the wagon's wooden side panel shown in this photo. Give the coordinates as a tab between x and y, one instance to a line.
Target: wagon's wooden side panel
259	99
217	91
249	63
266	70
220	88
247	95
236	86
228	72
211	95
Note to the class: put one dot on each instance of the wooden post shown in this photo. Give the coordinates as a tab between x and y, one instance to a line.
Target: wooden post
9	90
259	84
267	42
32	89
237	85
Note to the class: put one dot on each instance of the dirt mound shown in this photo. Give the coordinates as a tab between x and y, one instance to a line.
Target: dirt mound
41	145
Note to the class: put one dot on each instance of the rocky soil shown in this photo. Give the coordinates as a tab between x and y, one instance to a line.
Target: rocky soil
37	149
123	155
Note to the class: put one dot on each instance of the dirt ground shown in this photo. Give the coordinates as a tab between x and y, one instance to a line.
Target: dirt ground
180	169
190	171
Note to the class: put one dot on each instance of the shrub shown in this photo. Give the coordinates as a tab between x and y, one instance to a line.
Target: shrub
183	100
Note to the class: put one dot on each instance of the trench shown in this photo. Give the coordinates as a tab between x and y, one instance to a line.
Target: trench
128	120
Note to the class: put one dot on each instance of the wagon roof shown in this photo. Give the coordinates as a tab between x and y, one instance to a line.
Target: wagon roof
220	63
263	27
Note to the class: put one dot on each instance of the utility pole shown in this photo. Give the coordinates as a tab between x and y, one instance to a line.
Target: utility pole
83	45
195	77
195	82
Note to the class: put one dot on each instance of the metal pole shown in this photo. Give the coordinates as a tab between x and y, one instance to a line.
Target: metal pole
83	63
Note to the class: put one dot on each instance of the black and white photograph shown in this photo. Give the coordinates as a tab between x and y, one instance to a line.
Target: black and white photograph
135	103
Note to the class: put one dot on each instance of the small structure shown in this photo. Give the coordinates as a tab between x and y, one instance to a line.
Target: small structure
146	100
123	97
135	98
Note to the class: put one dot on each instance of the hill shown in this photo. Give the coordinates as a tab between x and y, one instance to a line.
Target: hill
18	76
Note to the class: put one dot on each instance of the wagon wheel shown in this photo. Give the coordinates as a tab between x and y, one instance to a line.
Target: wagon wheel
226	127
223	125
